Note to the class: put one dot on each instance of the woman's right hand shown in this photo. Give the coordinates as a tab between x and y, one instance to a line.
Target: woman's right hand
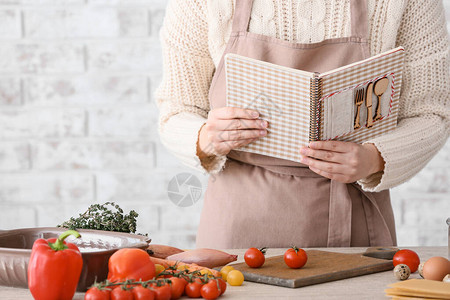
228	128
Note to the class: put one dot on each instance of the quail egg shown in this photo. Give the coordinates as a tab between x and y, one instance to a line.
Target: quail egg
402	272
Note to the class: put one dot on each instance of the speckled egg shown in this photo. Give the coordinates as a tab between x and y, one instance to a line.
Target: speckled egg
421	269
446	278
402	272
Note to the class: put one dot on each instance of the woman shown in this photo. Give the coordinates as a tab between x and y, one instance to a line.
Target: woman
339	195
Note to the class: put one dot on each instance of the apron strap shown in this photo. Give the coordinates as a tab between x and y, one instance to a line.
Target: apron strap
359	19
340	216
242	14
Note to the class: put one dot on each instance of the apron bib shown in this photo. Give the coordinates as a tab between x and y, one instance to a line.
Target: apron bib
261	201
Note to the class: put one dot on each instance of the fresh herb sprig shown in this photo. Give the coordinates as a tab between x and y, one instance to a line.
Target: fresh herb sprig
108	216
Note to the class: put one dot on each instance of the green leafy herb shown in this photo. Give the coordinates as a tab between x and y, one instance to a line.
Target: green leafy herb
108	216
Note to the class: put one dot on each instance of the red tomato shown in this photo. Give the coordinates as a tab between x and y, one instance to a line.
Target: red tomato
142	293
407	257
177	287
254	258
193	289
223	285
295	258
162	292
119	293
96	294
211	290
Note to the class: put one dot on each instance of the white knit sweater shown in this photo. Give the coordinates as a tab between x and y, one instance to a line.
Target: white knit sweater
195	33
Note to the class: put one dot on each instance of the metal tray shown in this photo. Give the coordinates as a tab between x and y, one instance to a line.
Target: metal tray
96	247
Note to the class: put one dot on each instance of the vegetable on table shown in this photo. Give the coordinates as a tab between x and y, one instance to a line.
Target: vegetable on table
235	278
193	289
180	265
210	290
54	268
162	251
130	263
142	293
209	258
254	257
95	293
225	270
295	258
407	257
122	293
162	292
177	286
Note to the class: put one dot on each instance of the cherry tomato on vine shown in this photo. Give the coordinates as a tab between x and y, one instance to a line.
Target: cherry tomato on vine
254	257
163	292
142	293
223	285
407	257
210	290
158	269
119	293
95	294
295	258
193	289
177	287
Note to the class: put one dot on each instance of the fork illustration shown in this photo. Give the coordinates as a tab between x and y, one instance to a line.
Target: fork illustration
359	100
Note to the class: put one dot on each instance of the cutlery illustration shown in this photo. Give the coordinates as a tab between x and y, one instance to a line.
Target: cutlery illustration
380	87
359	100
369	93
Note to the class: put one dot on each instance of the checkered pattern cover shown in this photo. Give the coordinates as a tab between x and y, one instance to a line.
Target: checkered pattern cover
282	96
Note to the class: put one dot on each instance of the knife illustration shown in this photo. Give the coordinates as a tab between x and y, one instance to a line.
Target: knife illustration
369	105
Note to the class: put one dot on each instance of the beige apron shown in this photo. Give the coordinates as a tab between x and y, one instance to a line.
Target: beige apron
261	201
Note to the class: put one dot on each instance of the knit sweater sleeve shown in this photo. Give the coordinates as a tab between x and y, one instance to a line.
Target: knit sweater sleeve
182	96
424	115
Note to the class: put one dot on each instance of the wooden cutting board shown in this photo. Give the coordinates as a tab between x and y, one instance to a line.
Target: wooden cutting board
322	266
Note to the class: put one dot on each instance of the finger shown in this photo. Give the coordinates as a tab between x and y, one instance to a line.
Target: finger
336	146
226	113
328	167
240	124
338	177
235	135
324	155
226	146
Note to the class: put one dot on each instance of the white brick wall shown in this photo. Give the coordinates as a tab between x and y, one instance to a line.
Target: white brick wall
78	124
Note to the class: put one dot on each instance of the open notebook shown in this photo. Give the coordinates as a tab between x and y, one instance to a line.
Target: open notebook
301	106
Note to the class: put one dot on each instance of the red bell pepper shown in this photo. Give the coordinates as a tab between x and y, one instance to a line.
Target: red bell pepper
54	268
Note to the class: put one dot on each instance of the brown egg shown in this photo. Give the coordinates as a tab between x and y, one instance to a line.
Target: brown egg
436	268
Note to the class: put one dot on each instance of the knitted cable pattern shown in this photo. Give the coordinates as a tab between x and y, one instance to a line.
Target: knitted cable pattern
194	36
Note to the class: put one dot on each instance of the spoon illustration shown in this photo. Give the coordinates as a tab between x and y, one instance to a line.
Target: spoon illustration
379	88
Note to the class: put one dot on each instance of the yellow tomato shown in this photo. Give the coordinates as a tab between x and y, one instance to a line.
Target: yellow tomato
182	267
225	270
158	269
206	271
235	277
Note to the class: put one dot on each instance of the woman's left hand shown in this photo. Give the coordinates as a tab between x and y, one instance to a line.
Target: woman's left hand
342	161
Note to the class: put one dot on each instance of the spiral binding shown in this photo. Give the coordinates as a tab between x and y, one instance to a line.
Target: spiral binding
316	94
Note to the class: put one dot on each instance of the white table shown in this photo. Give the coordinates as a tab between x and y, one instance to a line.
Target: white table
363	287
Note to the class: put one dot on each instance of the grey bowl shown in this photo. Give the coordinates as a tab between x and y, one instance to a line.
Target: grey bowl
96	248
